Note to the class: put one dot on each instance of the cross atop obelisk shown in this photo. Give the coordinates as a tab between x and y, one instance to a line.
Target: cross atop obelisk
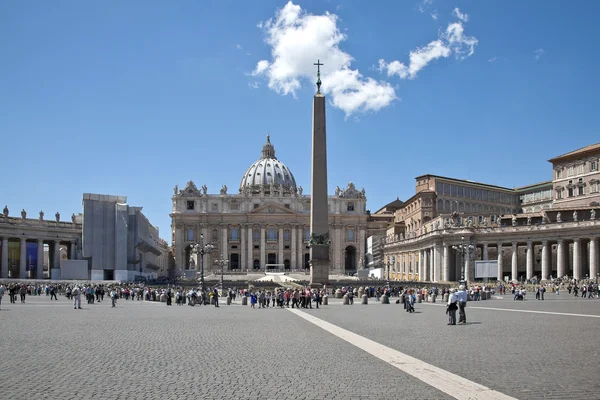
318	64
319	212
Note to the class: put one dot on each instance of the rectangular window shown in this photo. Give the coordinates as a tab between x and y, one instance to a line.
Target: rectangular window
350	235
190	204
594	187
580	169
287	206
350	206
461	191
255	206
594	166
439	187
570	171
558	173
454	189
307	234
559	194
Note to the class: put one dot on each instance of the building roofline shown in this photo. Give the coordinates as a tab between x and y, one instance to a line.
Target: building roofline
534	185
578	152
466	181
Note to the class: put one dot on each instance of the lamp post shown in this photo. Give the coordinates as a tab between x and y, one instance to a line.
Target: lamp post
465	249
222	263
388	268
394	263
202	249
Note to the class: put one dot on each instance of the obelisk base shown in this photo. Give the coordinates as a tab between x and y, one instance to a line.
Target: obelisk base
319	266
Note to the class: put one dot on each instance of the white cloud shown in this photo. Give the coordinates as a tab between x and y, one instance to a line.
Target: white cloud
434	16
424	5
451	40
253	85
463	17
297	39
492	59
239	46
458	41
538	53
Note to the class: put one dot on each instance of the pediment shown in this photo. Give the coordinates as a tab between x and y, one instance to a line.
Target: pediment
272	208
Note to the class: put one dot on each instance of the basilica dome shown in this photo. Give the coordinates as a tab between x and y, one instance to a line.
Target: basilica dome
268	174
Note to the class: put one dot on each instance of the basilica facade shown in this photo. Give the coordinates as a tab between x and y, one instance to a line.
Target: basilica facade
265	224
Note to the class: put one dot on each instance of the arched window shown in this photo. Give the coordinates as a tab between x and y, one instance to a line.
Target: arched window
447	205
256	235
190	234
286	235
235	234
306	234
350	206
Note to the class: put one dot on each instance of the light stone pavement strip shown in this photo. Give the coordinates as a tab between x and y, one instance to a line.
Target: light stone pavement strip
524	355
146	351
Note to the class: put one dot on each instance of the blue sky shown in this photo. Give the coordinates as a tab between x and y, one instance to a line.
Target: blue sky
132	98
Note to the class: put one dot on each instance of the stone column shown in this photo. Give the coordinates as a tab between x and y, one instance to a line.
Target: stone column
224	242
280	242
425	265
180	261
438	262
545	259
263	247
300	265
23	259
500	266
431	264
55	272
40	260
593	258
250	261
73	251
243	240
4	271
577	270
514	261
484	252
529	260
293	247
560	259
446	275
361	244
467	262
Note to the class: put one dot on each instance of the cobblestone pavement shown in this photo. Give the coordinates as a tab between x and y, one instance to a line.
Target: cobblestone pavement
150	351
524	355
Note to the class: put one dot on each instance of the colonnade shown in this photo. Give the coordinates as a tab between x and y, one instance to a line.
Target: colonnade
577	258
253	243
23	258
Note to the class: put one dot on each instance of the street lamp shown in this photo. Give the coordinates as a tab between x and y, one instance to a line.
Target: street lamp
465	249
394	264
222	263
202	249
388	268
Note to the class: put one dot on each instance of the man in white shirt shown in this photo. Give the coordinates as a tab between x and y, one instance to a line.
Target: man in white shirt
451	308
461	295
76	294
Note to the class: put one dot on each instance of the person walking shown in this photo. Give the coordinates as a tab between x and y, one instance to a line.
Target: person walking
113	297
452	307
1	293
461	296
76	294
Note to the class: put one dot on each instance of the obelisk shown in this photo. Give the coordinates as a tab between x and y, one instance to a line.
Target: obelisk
319	213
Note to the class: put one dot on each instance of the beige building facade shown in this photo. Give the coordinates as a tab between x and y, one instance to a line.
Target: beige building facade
265	225
531	231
